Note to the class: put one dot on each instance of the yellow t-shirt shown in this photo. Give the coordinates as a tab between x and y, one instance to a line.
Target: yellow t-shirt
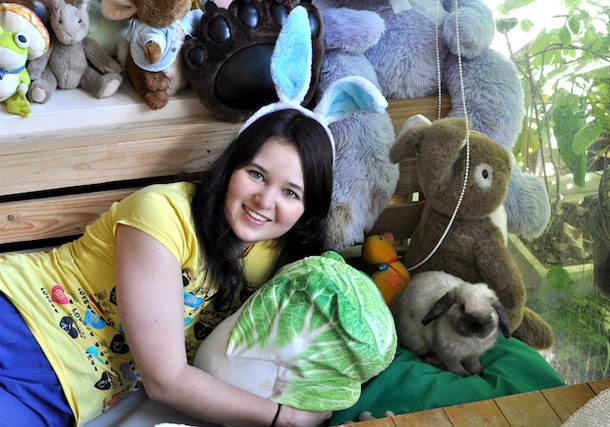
67	296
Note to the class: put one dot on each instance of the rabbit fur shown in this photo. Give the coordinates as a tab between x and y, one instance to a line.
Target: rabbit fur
448	322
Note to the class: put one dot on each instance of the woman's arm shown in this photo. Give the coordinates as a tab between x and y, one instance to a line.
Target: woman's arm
151	306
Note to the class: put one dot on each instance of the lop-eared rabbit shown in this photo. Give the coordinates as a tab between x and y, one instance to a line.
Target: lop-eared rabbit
448	322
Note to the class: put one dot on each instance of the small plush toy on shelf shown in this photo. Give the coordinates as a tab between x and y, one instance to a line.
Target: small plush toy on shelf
22	36
156	35
391	275
73	60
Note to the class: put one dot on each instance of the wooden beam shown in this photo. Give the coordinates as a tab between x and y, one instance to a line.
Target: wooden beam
54	216
130	151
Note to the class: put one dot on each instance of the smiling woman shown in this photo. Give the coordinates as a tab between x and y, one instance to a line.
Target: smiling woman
277	177
265	197
127	304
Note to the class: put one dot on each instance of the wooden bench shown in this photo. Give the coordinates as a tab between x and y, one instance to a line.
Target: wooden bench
53	184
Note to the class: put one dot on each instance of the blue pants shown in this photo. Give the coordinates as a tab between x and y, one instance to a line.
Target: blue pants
30	393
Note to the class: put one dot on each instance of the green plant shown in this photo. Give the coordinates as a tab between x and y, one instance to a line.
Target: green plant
565	72
581	323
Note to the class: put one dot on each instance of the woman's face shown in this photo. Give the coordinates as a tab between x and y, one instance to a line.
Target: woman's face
265	198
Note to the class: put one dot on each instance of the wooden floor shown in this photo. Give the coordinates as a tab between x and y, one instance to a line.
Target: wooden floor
547	408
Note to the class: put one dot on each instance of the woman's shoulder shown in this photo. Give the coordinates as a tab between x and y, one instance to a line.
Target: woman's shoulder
175	191
153	200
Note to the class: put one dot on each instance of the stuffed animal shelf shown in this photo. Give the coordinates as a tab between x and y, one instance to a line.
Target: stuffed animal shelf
475	247
157	33
391	275
73	59
23	37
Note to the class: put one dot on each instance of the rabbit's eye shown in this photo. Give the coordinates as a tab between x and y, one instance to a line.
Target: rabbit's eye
483	176
462	307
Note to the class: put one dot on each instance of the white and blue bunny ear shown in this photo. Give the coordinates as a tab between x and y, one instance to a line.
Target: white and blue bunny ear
291	74
349	95
292	56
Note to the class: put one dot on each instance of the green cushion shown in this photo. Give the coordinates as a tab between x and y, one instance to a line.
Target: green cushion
410	385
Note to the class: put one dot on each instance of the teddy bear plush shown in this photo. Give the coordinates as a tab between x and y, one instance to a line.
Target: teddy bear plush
405	62
364	178
475	247
158	29
73	59
22	36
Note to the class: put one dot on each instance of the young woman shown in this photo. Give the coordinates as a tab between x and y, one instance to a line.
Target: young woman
128	303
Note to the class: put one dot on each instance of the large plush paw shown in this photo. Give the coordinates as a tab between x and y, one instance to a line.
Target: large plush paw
228	62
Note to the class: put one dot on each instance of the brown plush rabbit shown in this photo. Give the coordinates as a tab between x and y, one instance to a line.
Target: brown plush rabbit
475	247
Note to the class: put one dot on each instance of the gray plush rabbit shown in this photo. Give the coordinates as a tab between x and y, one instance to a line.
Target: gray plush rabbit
73	59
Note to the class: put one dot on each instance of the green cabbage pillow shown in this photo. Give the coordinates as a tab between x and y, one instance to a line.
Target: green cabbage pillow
308	338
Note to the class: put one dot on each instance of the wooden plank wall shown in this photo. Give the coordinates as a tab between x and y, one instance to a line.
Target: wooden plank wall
50	183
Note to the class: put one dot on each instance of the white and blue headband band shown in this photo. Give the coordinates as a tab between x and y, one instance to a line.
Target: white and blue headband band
291	74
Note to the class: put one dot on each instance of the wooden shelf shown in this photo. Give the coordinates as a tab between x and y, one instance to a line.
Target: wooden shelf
550	407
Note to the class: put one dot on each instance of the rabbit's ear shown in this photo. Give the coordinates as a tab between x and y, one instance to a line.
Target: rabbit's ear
349	95
502	318
118	10
439	308
407	142
292	56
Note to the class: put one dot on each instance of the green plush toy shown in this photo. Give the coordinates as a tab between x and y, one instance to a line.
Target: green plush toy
308	338
15	78
22	37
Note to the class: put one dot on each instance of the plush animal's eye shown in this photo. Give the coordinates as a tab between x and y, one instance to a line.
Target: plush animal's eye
22	40
484	175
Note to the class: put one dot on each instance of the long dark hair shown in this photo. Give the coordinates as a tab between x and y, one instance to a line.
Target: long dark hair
221	246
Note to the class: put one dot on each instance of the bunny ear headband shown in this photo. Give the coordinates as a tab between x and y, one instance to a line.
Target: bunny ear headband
291	74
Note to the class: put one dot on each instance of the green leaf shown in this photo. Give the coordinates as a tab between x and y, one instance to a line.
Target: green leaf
558	278
566	124
526	25
574	24
564	36
504	25
586	136
515	4
542	42
572	4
